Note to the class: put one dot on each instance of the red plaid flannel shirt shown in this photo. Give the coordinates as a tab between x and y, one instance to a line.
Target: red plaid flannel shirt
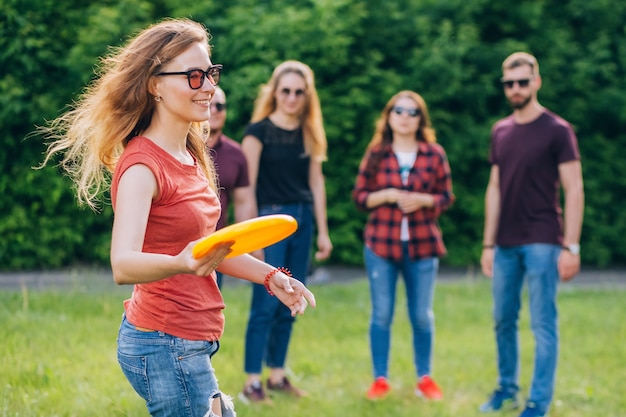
430	174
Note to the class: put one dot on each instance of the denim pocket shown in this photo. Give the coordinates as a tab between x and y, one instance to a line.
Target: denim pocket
187	349
135	370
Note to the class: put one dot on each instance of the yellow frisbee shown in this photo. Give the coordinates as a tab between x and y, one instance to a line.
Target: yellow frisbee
249	235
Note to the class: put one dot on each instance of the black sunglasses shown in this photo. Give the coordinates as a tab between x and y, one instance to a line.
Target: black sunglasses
411	112
219	106
196	77
523	83
298	92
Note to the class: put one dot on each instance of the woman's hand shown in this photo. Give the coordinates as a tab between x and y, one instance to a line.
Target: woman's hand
409	202
208	263
291	293
392	195
324	247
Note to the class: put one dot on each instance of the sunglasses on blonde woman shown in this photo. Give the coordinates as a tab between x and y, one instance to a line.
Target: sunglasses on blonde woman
298	92
195	77
411	112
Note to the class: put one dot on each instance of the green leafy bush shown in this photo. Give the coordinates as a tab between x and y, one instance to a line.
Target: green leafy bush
362	52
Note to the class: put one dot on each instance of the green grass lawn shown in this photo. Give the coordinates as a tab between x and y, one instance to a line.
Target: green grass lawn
57	356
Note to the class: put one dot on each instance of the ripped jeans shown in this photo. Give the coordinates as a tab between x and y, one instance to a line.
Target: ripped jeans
174	376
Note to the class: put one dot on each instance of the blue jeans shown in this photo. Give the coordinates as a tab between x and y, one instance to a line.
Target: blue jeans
173	375
419	279
270	322
537	263
219	279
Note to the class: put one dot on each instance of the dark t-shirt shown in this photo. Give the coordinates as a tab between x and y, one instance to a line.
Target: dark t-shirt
283	167
232	172
528	156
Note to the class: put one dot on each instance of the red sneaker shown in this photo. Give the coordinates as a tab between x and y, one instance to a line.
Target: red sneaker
428	389
379	389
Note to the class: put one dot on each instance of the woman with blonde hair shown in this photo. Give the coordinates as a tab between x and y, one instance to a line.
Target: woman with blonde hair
285	145
137	128
404	183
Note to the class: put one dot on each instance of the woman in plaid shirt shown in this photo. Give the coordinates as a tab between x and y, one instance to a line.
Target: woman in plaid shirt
404	183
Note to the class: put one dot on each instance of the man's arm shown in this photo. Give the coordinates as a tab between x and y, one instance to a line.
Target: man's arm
570	174
492	215
251	148
244	204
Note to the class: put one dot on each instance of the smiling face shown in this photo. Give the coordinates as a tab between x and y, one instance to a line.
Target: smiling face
180	102
290	94
520	86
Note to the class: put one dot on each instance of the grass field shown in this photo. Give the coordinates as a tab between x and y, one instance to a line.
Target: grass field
57	356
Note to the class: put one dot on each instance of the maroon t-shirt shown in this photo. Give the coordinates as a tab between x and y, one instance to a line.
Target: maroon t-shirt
232	172
528	156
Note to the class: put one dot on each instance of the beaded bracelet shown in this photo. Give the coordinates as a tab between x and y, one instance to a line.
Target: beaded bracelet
266	282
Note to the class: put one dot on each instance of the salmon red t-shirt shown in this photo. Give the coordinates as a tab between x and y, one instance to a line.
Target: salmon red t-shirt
185	209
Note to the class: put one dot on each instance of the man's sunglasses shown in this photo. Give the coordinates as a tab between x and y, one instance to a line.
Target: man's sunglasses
523	83
219	107
196	77
411	112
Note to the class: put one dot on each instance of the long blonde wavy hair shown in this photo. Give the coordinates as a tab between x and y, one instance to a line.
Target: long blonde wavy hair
315	144
117	106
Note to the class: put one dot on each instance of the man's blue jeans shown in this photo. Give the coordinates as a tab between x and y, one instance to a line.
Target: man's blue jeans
270	322
537	264
419	279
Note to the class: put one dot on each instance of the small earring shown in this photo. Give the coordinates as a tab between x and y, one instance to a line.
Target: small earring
157	98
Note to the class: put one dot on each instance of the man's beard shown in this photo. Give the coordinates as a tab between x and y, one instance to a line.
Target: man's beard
519	105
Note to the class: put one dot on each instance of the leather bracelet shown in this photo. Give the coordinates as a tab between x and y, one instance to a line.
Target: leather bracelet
266	282
489	246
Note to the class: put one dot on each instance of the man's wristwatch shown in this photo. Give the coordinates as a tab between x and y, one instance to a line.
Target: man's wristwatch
574	248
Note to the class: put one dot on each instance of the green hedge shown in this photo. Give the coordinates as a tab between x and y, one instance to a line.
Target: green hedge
362	52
